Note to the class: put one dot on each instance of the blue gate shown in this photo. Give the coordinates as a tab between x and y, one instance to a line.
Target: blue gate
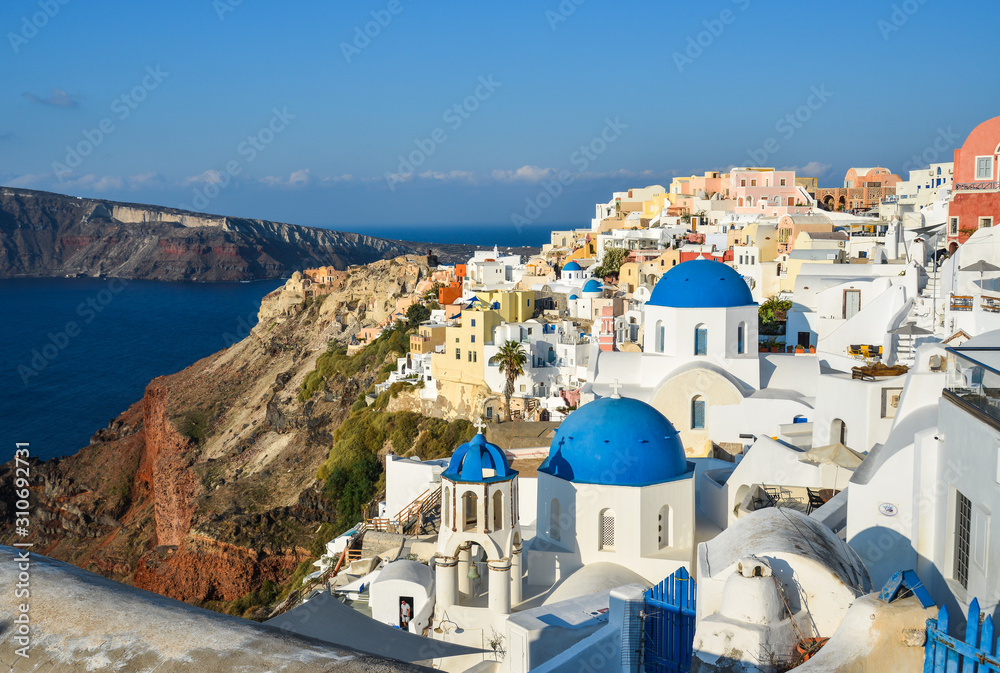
669	630
978	652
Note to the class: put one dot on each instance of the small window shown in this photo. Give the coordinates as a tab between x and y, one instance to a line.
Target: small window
984	168
784	182
607	523
985	222
963	526
741	347
554	515
473	322
473	338
953	226
753	183
698	413
458	353
701	340
743	183
663	526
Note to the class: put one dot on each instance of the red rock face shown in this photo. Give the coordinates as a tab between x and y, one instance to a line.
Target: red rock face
207	570
166	467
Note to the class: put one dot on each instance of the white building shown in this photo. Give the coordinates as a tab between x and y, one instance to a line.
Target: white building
616	488
403	595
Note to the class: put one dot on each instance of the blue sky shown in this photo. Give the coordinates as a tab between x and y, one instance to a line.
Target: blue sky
312	121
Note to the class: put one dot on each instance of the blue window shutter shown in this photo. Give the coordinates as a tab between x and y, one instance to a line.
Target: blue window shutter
701	341
698	414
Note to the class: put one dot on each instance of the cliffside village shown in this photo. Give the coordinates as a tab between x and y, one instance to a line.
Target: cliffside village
726	489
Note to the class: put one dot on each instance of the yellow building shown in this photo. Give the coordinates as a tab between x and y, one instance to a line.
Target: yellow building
427	339
462	360
633	274
513	306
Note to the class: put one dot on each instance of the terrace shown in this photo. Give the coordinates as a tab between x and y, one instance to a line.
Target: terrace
973	381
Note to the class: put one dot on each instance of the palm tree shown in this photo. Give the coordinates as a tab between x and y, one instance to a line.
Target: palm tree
511	359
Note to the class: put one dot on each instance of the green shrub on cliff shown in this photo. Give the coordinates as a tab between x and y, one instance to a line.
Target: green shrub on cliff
394	342
353	470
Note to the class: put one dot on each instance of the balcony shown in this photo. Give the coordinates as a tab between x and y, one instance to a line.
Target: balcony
977	187
973	381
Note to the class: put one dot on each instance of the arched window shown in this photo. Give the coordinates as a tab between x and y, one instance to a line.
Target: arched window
741	338
497	510
660	333
701	340
698	413
446	506
749	201
470	511
606	539
554	515
838	432
664	526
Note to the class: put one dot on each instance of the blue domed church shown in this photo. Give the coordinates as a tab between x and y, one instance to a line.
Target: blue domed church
700	363
616	488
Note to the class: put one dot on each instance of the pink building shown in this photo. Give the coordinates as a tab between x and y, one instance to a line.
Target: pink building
767	192
606	331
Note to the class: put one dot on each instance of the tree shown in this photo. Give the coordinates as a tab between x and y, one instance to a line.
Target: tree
771	315
511	359
416	314
613	260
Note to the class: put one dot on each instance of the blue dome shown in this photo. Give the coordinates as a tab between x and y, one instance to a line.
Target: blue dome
573	297
701	283
616	442
572	266
592	286
470	459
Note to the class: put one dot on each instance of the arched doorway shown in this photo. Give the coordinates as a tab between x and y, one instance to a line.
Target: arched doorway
838	432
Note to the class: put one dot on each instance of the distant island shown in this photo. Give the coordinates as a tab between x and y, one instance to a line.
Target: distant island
44	234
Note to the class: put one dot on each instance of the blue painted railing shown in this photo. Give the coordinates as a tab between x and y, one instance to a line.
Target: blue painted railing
977	653
670	619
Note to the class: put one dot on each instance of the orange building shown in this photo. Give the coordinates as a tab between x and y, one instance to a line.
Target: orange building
976	200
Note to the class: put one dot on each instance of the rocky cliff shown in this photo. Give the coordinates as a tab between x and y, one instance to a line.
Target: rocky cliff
44	234
206	489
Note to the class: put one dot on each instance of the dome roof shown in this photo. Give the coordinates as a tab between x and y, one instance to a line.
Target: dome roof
470	459
592	286
573	297
572	266
701	283
616	442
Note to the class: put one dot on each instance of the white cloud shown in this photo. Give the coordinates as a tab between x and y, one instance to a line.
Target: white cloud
58	98
98	183
814	169
210	177
450	175
526	173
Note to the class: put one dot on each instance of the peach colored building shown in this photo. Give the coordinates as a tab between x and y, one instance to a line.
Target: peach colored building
790	226
864	189
767	192
683	191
